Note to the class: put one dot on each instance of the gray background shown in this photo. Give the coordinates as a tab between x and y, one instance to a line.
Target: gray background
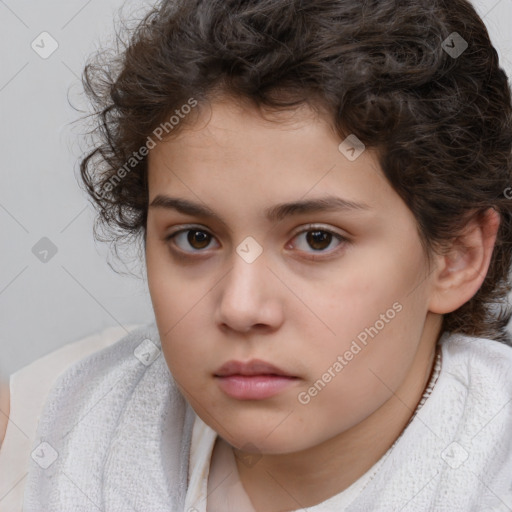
75	293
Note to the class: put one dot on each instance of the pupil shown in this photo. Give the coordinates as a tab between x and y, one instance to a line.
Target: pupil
196	238
316	239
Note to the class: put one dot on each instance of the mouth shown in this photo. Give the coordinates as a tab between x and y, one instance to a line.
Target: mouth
250	368
254	380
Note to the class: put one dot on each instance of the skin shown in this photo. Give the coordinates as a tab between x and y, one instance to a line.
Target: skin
296	307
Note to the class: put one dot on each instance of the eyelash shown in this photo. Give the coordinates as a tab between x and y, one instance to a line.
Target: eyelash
310	228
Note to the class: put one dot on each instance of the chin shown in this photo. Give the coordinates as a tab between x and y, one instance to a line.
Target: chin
261	443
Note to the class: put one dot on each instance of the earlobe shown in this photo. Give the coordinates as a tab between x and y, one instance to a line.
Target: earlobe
462	269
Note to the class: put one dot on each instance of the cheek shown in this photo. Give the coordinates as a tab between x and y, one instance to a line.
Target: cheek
186	354
173	302
351	379
358	296
171	293
376	314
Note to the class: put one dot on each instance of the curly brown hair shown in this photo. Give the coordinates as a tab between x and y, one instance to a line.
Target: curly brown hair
441	122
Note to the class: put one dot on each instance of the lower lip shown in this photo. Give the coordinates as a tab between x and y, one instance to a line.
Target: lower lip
254	387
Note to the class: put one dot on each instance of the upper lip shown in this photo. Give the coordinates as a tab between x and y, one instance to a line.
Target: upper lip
252	367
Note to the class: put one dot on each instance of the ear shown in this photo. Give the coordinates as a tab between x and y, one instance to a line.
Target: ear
461	270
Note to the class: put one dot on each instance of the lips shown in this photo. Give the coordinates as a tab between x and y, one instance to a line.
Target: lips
253	367
254	380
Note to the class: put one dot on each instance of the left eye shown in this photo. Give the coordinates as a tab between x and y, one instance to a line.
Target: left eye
319	239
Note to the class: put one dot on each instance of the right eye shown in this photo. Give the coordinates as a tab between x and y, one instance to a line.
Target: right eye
196	238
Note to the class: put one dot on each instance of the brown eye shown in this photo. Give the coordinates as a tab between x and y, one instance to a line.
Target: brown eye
318	240
198	239
190	240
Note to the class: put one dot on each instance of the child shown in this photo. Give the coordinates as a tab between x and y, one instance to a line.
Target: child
320	188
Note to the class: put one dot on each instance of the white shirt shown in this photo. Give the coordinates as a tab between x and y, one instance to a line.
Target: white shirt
210	462
226	492
214	484
28	390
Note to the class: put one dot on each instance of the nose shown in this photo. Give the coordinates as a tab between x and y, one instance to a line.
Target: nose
249	297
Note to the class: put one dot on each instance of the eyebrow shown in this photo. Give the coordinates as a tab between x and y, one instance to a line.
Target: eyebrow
273	214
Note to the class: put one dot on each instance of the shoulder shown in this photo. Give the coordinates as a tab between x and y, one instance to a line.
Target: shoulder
479	353
27	393
483	367
28	387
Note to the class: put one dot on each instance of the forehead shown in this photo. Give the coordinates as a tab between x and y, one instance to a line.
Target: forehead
238	127
232	154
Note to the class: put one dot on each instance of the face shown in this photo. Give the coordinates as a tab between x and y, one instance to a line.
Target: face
332	297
